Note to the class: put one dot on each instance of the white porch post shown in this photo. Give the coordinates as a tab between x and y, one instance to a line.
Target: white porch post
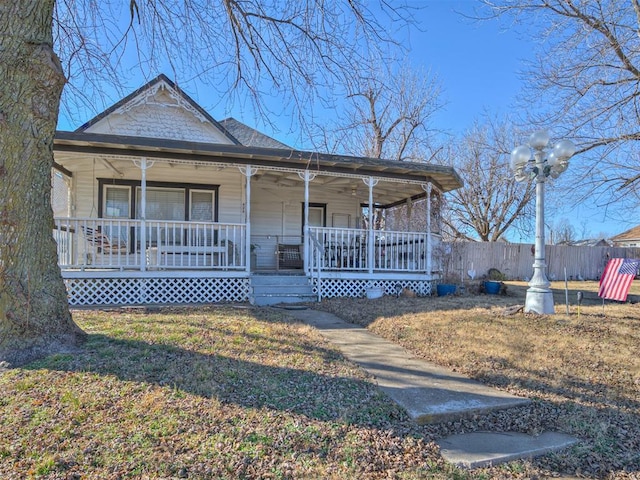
427	188
69	183
248	172
307	177
142	164
370	182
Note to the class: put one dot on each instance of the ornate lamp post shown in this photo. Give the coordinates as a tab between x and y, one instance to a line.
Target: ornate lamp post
536	161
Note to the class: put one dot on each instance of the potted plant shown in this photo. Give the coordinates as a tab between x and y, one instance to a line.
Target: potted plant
493	281
448	284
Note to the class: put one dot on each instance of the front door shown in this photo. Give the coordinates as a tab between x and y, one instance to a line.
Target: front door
317	215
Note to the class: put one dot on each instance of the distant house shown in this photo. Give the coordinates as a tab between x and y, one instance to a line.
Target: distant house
157	202
630	238
589	242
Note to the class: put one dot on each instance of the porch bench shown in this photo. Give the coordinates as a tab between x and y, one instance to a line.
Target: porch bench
159	256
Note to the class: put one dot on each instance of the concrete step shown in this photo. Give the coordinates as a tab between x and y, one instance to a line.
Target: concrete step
482	449
283	289
275	289
266	279
268	300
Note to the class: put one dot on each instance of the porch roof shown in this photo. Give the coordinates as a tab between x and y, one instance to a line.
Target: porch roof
443	177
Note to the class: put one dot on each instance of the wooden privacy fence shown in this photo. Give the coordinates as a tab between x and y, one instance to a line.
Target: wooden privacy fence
515	260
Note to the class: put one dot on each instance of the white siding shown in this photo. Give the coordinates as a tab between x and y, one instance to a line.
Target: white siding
276	215
278	210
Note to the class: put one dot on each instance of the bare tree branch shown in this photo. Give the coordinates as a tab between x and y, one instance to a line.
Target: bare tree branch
389	115
586	86
296	50
491	202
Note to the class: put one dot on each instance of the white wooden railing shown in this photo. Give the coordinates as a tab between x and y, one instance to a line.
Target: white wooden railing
349	249
90	243
401	251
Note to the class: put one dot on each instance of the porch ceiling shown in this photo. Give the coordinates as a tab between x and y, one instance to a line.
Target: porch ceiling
335	172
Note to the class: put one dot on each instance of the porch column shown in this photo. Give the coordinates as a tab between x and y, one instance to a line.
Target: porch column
143	165
248	172
307	177
69	183
371	241
427	188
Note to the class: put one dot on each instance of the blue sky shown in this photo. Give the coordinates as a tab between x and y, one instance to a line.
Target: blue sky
478	64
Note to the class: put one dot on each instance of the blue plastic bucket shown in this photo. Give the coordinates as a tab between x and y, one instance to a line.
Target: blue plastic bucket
492	288
445	289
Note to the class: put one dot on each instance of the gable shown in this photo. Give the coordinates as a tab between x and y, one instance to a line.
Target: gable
160	110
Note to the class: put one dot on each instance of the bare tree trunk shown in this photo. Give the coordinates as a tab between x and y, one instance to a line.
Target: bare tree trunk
34	314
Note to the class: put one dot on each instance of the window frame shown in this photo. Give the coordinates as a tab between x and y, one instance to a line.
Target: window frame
103	202
134	184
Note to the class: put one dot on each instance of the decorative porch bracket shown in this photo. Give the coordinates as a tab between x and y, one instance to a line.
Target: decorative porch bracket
143	164
248	171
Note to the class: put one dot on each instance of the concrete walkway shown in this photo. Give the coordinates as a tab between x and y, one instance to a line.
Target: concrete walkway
433	394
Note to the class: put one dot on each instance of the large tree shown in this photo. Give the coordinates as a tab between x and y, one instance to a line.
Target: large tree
388	114
294	46
34	316
586	78
491	202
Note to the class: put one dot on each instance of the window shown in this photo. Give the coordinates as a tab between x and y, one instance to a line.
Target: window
201	205
201	210
162	203
165	201
117	202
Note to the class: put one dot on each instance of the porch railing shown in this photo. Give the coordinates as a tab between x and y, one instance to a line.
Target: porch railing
90	243
350	249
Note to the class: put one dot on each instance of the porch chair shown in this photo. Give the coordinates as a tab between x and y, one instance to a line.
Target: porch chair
289	256
102	242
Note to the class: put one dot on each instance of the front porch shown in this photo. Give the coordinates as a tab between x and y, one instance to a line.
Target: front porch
136	262
90	244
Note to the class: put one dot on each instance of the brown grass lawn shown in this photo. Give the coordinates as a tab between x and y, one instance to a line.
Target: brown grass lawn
238	392
582	370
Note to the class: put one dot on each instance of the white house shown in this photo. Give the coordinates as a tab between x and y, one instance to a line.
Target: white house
166	205
628	238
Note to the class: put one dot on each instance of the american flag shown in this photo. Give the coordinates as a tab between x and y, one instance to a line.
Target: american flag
617	277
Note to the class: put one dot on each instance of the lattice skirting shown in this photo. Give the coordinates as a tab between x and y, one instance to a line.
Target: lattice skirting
144	291
356	288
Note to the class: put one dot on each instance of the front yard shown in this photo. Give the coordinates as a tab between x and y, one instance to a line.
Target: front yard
582	369
238	392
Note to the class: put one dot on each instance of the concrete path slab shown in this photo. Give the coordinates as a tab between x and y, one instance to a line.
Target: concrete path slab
432	394
428	392
482	449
